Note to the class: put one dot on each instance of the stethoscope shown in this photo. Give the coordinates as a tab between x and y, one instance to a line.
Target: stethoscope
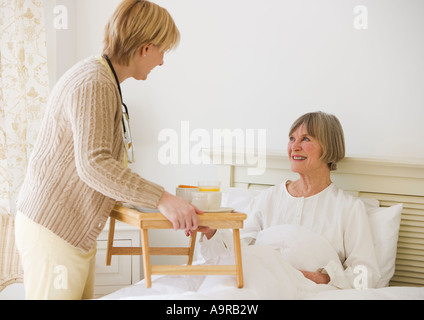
125	116
119	87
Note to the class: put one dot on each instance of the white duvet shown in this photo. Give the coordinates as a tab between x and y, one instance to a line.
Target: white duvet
271	271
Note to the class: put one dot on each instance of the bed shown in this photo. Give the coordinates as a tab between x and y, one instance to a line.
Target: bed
393	192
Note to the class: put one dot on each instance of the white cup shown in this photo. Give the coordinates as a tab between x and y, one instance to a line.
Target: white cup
214	200
207	200
200	200
186	193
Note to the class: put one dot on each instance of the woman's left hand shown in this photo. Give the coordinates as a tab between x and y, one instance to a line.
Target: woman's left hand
317	277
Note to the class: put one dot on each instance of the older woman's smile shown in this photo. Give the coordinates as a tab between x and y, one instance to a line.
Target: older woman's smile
296	157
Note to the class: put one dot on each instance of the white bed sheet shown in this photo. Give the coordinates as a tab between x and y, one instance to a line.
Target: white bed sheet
160	292
267	276
271	272
387	293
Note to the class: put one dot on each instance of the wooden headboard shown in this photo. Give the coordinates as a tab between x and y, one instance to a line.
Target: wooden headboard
388	181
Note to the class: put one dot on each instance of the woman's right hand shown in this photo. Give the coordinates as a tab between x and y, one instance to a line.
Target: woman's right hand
181	213
208	232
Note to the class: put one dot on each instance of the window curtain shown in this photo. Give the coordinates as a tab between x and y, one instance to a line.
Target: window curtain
23	96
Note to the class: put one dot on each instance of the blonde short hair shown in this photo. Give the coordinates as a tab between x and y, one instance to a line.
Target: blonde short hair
326	128
135	24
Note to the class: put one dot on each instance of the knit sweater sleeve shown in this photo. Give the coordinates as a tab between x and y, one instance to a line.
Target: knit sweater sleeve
93	116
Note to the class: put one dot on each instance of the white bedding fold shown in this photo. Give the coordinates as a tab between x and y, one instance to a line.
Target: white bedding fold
271	272
266	276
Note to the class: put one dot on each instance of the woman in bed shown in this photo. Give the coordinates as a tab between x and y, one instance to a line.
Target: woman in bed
316	144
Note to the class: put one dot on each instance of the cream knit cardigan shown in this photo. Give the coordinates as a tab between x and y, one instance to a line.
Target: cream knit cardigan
75	175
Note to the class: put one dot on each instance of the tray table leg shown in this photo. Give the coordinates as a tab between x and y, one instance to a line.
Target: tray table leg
237	256
146	257
110	241
191	249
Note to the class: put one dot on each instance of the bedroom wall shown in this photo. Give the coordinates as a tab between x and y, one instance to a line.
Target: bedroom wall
258	65
244	64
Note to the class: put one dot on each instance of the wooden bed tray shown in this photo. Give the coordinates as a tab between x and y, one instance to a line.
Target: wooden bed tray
146	221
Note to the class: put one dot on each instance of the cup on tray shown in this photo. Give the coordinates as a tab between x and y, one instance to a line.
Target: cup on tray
207	200
186	192
209	186
209	196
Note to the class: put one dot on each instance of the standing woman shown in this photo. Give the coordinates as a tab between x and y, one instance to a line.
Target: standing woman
77	170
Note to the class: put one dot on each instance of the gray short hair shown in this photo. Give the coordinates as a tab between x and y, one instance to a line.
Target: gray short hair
329	132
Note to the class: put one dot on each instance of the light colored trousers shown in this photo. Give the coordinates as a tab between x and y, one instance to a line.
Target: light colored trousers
53	269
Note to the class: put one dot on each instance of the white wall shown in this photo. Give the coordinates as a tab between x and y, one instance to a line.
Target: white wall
61	19
260	64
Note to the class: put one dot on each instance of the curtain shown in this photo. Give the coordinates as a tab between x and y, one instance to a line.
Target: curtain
23	96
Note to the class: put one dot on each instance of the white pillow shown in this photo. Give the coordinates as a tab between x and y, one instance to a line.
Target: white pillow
303	249
239	199
385	222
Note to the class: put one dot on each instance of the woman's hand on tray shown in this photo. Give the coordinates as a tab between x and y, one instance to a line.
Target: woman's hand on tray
181	213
